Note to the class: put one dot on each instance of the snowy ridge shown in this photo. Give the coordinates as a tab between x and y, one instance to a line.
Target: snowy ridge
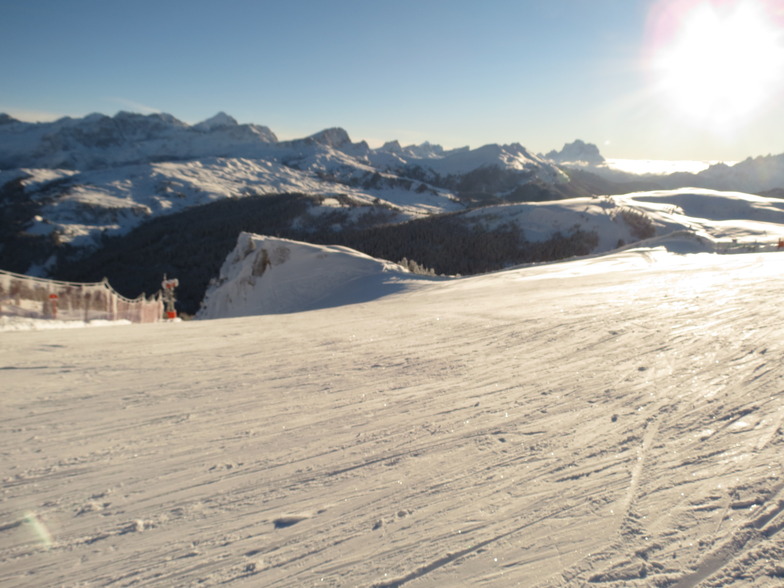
98	141
509	157
750	175
266	275
220	120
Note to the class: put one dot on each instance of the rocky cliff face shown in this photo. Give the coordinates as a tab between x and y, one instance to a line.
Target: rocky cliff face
577	151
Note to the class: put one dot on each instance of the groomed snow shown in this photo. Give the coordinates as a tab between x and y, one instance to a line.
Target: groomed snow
613	421
20	323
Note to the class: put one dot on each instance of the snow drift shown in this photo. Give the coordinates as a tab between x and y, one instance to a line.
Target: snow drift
266	275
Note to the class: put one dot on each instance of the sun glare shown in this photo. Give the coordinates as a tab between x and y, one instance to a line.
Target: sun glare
717	62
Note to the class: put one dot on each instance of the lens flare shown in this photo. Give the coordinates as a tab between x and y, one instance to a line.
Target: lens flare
717	63
39	528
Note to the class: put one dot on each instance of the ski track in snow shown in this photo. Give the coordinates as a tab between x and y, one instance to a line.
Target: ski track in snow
530	427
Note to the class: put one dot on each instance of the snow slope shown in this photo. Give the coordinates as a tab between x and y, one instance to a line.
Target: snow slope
614	421
85	204
715	218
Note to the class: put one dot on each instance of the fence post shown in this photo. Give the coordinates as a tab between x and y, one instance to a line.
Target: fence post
53	301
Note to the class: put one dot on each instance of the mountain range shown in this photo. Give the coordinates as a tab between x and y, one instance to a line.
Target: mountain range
72	192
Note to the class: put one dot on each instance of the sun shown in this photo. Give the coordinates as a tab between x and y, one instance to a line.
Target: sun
717	62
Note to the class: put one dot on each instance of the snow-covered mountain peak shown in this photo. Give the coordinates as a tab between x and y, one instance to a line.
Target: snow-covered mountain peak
6	119
157	119
93	117
332	137
99	141
220	120
392	147
513	157
425	150
577	151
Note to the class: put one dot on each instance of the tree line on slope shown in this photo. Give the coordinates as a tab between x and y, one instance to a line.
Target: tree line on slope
191	245
18	248
450	245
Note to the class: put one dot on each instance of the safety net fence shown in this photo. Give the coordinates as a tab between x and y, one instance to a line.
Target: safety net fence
30	297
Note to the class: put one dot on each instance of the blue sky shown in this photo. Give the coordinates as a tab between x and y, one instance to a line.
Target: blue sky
454	72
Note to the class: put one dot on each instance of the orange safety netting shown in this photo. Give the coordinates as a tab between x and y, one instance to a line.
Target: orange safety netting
31	297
